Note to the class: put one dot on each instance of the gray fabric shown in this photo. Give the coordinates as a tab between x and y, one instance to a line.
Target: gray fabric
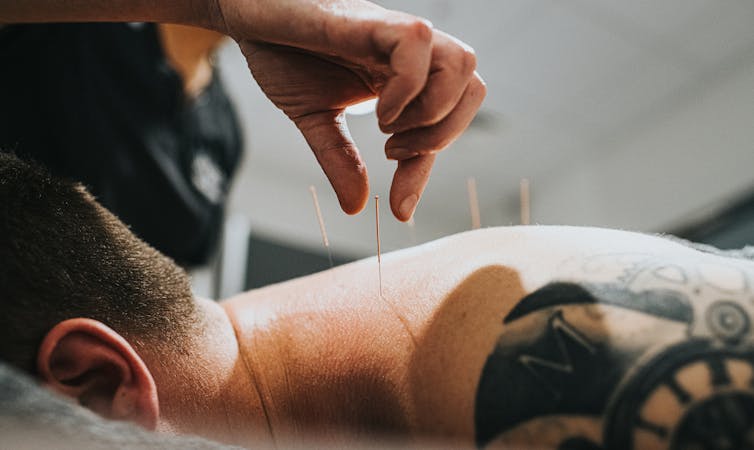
31	417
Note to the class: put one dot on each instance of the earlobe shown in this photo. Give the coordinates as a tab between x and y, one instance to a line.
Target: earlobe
85	359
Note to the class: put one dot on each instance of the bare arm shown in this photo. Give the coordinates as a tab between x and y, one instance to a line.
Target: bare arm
633	344
189	50
189	12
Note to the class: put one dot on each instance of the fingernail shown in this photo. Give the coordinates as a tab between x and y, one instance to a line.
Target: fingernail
389	117
408	205
401	153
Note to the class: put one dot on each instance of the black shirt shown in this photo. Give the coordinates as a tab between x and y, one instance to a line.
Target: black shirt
99	103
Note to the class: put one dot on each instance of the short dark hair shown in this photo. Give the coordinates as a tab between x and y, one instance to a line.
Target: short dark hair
62	255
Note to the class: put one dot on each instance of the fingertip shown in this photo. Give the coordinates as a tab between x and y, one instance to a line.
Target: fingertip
409	181
398	216
352	204
352	189
399	154
404	209
395	209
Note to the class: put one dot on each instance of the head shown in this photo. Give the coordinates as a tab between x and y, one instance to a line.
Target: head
87	307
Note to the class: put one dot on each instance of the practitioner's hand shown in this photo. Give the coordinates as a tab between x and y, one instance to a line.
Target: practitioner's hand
313	58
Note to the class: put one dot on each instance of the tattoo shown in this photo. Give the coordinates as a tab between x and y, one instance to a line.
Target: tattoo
641	354
661	303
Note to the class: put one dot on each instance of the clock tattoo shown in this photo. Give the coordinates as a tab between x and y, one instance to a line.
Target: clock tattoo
643	355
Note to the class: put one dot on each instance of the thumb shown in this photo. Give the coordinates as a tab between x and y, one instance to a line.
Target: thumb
327	135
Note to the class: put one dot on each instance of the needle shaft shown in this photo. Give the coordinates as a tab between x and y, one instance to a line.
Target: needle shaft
476	221
525	205
412	230
321	222
377	229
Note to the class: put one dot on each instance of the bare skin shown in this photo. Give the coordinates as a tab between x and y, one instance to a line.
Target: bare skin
189	50
549	337
313	58
327	353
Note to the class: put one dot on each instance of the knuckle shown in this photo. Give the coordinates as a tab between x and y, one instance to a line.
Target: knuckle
468	60
478	88
420	29
457	56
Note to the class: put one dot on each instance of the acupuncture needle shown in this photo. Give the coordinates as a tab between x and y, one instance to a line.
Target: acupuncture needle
321	222
524	199
476	222
412	230
379	250
404	322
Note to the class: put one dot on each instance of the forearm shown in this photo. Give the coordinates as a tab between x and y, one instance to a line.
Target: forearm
329	26
202	13
319	25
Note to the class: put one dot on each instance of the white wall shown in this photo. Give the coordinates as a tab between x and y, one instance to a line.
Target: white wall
682	161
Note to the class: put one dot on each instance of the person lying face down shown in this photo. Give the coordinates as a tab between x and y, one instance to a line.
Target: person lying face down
541	336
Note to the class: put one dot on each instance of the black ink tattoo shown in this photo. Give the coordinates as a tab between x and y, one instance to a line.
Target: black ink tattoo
661	303
556	358
721	418
552	372
571	348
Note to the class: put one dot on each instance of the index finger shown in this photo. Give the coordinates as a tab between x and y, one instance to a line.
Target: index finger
409	46
409	181
328	136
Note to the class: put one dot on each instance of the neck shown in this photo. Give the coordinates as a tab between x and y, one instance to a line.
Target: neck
315	364
208	391
311	356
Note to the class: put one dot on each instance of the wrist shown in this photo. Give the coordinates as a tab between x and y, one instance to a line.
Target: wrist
316	25
209	14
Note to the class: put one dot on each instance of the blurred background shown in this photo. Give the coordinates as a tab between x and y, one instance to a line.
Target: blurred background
635	115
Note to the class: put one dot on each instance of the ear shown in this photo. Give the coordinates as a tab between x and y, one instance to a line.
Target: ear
86	360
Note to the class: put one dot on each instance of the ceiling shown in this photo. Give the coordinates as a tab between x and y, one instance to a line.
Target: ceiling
623	114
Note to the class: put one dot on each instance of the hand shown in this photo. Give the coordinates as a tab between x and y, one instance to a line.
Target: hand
315	58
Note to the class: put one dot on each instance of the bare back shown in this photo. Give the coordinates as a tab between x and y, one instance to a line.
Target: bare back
541	336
